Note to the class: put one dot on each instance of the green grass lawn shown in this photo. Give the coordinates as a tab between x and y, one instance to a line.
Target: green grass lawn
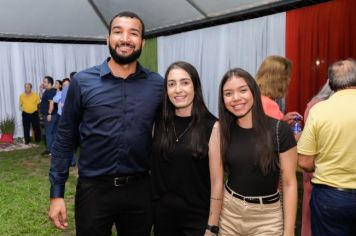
24	195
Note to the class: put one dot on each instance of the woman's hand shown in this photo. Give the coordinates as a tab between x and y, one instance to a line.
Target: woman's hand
209	233
290	116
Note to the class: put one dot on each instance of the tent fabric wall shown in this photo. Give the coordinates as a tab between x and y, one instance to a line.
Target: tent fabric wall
28	62
149	54
323	34
215	50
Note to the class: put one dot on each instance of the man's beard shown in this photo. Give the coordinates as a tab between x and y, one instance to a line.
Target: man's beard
124	60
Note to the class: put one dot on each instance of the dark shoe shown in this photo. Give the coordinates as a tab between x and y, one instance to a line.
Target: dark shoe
46	152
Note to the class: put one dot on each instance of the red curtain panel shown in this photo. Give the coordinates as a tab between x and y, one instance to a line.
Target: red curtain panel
317	36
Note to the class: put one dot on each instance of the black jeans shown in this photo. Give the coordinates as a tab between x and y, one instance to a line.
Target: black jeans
29	119
99	205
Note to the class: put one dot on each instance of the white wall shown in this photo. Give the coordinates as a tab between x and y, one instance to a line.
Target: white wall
22	63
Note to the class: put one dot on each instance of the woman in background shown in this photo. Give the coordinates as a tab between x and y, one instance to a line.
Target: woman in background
273	77
57	99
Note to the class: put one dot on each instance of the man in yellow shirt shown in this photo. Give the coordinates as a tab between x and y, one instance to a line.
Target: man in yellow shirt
29	104
327	145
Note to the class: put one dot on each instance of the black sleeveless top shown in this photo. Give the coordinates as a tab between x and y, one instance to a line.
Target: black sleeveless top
180	173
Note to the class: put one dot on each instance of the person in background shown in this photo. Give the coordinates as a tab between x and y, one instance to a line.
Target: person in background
65	86
29	104
41	89
111	108
322	95
55	104
327	147
187	171
273	77
49	113
256	150
58	98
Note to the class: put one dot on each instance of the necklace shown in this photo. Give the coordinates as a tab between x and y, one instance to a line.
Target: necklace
182	134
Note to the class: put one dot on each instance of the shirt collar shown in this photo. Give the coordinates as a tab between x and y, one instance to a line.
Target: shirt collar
105	70
344	92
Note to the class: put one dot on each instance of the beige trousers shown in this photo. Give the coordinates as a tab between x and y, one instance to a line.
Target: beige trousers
240	218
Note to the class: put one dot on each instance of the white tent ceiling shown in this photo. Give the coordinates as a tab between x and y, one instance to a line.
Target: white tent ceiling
161	14
88	19
50	18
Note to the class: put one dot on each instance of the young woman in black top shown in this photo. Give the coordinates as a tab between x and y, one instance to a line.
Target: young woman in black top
255	149
187	172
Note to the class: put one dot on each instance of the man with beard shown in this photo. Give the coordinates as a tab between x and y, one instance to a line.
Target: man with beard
112	108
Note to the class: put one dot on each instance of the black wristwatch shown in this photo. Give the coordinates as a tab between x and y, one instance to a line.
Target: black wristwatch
213	228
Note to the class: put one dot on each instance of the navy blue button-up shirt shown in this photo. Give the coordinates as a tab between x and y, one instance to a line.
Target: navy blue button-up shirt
46	97
113	118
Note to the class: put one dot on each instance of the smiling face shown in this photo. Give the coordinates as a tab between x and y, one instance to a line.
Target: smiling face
180	90
125	40
238	98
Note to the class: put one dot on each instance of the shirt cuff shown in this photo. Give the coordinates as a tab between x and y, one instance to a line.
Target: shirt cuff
57	191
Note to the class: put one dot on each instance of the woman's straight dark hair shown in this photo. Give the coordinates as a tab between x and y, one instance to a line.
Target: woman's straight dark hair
266	162
164	134
61	83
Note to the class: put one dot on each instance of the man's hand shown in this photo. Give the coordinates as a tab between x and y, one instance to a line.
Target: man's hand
49	118
57	213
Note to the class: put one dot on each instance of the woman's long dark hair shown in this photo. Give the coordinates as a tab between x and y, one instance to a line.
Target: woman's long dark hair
164	134
266	160
60	83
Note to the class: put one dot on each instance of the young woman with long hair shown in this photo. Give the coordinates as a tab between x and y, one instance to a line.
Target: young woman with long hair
256	149
187	172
